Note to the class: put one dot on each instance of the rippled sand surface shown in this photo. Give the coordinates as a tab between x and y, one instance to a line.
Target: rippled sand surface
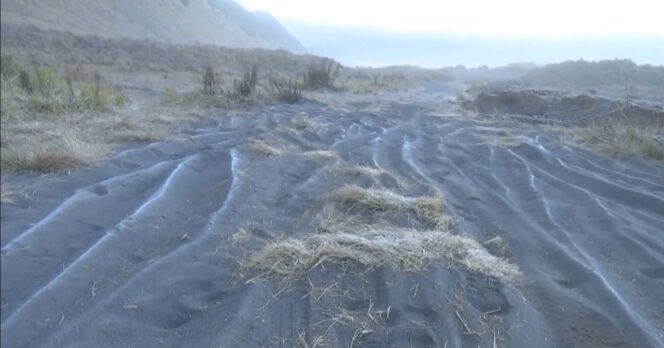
143	249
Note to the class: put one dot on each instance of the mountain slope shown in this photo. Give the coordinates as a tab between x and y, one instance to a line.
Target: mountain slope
217	22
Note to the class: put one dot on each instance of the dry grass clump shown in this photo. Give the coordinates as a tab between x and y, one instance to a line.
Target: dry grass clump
53	157
359	170
265	149
399	249
287	90
320	155
315	342
43	160
428	209
497	246
622	138
304	122
6	195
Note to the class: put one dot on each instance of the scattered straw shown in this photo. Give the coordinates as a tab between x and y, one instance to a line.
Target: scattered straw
428	209
399	249
320	155
265	149
305	122
6	195
362	170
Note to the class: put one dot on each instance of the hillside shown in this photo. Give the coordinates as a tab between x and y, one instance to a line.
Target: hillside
217	22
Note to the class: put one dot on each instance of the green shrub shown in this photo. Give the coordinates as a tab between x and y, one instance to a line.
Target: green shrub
43	90
45	81
40	104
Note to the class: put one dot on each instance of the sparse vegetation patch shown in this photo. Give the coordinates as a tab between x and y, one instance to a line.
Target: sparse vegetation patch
404	250
43	90
621	138
321	74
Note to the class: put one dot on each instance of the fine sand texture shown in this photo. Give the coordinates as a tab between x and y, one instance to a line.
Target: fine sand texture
386	223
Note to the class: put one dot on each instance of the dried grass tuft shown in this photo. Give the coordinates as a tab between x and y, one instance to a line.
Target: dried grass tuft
428	209
320	155
359	170
305	122
6	195
69	150
399	249
621	138
265	149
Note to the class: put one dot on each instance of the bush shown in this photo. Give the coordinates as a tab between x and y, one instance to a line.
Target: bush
209	82
247	84
286	90
321	75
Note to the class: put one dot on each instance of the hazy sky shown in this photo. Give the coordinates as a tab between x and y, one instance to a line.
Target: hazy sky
491	18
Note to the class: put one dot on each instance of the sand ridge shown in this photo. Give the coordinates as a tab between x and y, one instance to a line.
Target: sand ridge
144	248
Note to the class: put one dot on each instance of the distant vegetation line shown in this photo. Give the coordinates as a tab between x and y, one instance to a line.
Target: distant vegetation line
591	74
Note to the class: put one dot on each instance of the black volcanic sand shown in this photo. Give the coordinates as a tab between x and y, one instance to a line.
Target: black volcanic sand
143	249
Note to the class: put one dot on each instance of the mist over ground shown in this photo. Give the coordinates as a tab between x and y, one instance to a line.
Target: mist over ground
357	46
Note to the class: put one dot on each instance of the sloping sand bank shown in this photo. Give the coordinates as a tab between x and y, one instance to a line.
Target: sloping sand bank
144	249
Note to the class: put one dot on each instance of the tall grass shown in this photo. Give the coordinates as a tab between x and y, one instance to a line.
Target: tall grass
286	90
43	90
321	74
621	137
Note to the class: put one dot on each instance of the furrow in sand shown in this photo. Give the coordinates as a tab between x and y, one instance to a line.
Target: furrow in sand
72	204
492	163
583	258
635	172
98	244
620	182
587	199
219	217
407	155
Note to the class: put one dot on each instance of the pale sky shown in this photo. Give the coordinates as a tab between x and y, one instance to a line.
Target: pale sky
491	18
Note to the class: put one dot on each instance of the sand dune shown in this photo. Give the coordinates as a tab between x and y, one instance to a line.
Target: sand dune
143	250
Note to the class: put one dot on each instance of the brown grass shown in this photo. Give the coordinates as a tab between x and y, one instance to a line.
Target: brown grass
265	149
429	209
6	194
360	170
621	138
320	155
305	122
399	249
65	150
